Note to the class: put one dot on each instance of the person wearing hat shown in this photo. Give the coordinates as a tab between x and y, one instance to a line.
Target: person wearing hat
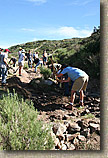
4	64
21	61
19	52
80	79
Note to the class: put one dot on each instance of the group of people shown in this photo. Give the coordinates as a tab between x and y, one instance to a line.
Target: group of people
31	58
78	78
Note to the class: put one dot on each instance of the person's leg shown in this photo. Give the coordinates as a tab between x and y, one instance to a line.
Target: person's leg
81	98
20	70
28	63
4	70
72	96
37	66
31	63
0	72
66	86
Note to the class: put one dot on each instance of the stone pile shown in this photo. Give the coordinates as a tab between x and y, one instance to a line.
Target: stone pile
70	135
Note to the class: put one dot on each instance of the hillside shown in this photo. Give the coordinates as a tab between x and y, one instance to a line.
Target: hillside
83	53
75	129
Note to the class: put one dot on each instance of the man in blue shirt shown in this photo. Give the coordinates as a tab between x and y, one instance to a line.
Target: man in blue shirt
80	79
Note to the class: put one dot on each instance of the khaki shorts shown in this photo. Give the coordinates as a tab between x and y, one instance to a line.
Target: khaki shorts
80	83
21	64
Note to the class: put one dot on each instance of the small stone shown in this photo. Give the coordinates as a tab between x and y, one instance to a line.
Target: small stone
81	138
63	147
75	141
72	147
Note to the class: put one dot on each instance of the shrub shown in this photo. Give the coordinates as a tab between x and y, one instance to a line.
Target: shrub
46	72
19	127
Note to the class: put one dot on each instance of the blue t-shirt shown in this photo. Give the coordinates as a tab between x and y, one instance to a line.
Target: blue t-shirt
73	73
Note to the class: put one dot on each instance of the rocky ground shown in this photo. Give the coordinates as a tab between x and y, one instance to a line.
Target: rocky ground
77	129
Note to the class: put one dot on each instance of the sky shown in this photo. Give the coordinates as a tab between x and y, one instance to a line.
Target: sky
24	21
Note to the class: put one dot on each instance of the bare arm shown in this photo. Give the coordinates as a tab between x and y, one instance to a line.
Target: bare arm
67	80
59	75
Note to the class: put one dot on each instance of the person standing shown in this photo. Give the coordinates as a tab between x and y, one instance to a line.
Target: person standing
3	65
29	57
19	52
44	57
80	79
1	50
21	61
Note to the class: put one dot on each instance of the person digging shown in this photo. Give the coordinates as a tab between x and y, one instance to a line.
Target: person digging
80	79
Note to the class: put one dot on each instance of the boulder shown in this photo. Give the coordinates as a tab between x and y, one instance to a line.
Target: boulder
94	127
86	132
59	129
73	128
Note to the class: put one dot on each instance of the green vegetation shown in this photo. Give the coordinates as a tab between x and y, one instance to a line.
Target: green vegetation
19	127
88	116
46	72
83	53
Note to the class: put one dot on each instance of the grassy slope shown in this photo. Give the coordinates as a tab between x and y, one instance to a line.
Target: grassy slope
83	53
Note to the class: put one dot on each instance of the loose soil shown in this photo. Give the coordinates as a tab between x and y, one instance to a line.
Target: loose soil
50	100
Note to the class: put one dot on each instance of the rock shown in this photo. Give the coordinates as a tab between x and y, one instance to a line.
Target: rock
87	111
63	147
81	138
48	82
56	140
70	146
75	141
83	113
59	129
73	128
96	101
94	127
55	128
59	146
69	137
86	132
83	124
66	117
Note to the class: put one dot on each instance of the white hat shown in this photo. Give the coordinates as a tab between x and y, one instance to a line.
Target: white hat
23	51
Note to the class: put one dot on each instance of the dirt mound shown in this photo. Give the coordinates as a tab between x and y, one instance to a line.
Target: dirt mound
14	80
49	100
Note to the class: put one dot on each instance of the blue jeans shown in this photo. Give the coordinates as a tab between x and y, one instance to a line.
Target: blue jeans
30	63
37	65
4	74
66	86
0	72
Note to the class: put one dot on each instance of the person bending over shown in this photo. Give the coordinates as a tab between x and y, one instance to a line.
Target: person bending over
80	79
